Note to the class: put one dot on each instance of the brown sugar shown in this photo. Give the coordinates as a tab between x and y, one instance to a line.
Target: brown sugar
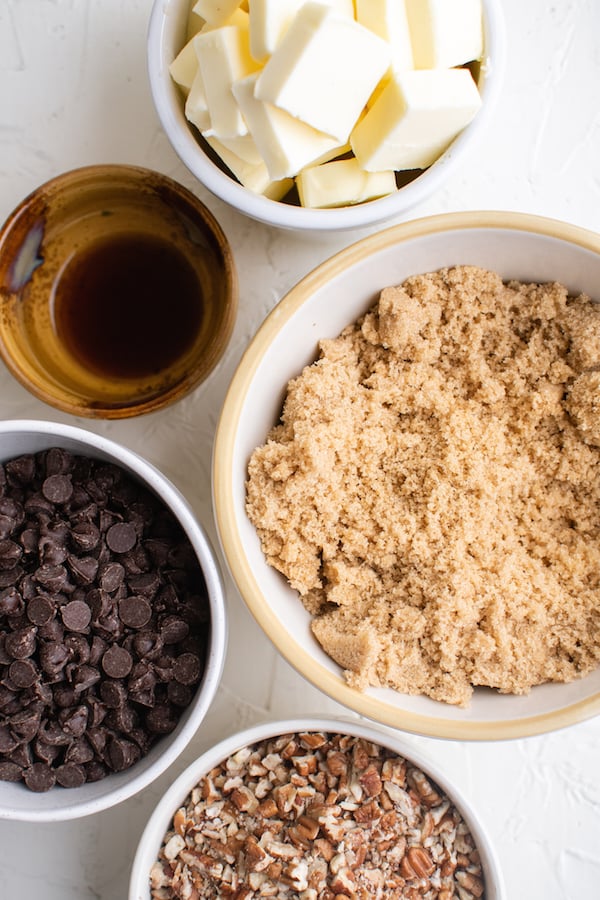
432	490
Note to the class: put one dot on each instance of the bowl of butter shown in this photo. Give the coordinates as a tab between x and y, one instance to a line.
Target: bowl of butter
328	115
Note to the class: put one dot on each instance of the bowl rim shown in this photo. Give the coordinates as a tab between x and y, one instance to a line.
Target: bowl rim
287	216
225	509
217	646
71	180
178	790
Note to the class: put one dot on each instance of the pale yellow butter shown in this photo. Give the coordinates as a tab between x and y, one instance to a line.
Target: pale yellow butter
224	57
184	67
270	19
445	33
286	144
342	183
415	118
324	70
215	12
253	176
196	106
388	19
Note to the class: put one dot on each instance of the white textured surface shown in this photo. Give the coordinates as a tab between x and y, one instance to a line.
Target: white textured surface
74	91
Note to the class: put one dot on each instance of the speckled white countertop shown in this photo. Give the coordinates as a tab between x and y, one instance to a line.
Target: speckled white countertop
74	91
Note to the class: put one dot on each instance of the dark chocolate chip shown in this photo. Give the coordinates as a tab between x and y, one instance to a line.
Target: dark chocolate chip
121	537
21	643
70	775
57	461
122	754
187	668
135	611
39	777
11	602
53	578
111	576
85	536
23	673
10	554
25	725
74	721
113	693
145	584
83	568
95	771
79	751
162	719
117	662
20	470
76	615
10	771
173	629
40	610
85	677
53	657
179	694
147	645
7	740
57	488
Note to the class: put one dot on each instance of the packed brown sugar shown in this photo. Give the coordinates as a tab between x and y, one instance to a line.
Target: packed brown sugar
432	490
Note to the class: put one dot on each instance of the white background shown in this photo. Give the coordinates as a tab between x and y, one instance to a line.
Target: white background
74	91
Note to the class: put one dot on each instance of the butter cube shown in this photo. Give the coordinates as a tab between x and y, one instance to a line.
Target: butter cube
215	12
324	70
196	107
342	183
184	67
415	118
388	19
286	144
445	33
224	57
239	17
253	176
244	147
270	19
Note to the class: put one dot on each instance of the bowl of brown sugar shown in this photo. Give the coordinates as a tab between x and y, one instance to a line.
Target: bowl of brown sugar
118	291
112	622
406	476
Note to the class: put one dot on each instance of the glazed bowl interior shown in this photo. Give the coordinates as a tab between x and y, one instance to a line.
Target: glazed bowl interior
134	359
167	35
334	295
161	819
17	802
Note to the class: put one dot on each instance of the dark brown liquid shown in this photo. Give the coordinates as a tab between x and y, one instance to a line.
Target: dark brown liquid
128	307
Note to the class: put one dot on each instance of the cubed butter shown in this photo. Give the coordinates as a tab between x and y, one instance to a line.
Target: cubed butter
184	67
342	183
224	57
324	70
270	19
286	144
239	17
215	12
388	19
253	176
415	118
244	147
196	107
445	33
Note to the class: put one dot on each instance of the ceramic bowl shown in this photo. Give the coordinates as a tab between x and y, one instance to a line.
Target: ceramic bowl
335	294
118	291
18	802
161	819
167	35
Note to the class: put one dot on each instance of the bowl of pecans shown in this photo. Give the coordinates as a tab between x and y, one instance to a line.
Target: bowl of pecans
112	622
314	808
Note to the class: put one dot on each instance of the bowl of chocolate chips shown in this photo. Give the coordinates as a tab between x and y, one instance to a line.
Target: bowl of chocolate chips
112	622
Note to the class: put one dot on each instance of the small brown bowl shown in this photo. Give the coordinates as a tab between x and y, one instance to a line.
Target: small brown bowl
118	291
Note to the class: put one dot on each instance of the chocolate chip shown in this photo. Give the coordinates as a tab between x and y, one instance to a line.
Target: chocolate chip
117	662
76	615
40	610
173	629
57	488
111	576
135	611
10	771
187	668
70	775
23	673
122	754
97	620
21	643
121	537
39	777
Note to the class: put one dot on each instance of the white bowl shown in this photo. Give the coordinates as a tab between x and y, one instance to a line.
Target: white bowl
16	801
335	294
166	36
160	820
